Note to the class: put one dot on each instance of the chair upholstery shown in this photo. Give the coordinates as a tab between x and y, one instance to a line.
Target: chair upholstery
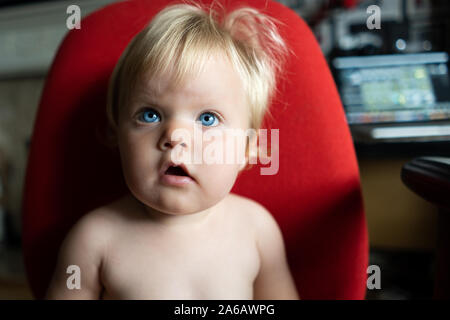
315	196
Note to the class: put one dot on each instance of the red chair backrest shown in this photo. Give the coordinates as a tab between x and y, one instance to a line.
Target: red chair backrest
315	196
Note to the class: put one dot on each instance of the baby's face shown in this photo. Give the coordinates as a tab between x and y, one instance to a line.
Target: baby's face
149	138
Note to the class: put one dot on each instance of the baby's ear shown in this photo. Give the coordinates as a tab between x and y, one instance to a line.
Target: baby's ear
251	153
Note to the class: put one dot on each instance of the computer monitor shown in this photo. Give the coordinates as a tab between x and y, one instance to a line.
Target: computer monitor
394	88
397	90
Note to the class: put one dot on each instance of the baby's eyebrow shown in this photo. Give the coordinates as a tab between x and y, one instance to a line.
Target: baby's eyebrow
145	96
148	103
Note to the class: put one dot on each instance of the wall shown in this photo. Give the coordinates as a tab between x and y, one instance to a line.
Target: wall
18	104
397	218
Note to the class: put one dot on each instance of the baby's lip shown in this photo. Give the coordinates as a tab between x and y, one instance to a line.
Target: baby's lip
169	164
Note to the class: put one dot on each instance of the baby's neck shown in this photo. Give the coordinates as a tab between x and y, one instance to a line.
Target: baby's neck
177	219
174	220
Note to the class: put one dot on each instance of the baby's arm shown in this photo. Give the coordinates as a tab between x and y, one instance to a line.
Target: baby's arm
82	247
274	280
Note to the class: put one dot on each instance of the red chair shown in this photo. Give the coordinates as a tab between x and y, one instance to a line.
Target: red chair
315	197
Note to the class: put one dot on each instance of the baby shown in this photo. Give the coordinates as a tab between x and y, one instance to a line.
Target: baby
180	233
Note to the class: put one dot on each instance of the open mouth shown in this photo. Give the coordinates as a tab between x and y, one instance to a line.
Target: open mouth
176	171
176	175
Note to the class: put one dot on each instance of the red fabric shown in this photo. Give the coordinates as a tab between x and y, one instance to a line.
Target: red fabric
350	4
315	197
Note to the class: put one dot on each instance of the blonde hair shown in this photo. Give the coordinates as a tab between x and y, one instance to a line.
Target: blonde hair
183	36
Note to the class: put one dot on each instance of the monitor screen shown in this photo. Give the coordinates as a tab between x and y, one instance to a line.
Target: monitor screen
394	88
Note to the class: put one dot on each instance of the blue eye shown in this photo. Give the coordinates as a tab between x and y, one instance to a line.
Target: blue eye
149	116
209	119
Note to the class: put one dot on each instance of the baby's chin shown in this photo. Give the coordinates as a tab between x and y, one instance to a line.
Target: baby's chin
176	203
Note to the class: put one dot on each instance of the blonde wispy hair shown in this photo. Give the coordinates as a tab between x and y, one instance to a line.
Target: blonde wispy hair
182	37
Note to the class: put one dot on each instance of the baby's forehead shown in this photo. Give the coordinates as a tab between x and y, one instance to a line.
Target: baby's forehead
157	87
154	85
215	79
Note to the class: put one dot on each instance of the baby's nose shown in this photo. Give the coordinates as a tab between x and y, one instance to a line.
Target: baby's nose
176	133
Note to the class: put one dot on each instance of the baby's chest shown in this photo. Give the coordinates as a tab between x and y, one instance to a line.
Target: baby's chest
218	269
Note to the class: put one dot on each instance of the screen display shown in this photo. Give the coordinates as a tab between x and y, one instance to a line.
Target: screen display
394	88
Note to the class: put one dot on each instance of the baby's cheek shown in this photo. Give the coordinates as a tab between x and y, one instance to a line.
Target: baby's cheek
224	147
219	178
136	165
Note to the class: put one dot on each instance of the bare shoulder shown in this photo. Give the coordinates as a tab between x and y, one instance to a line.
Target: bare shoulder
95	228
255	213
246	203
84	246
274	280
114	212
